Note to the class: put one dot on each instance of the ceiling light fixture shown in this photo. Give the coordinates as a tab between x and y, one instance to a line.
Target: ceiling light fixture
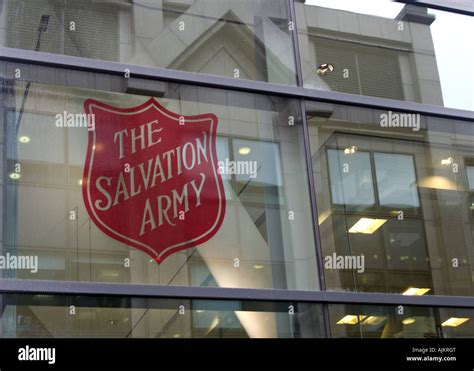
351	319
244	151
408	321
454	322
367	225
415	291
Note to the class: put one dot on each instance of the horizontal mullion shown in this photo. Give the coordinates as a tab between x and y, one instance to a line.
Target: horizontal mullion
213	81
19	286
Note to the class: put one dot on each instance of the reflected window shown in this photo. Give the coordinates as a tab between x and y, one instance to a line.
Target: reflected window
470	185
351	178
470	177
365	70
396	180
258	170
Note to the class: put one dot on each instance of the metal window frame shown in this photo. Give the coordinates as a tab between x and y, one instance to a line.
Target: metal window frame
460	7
19	286
73	288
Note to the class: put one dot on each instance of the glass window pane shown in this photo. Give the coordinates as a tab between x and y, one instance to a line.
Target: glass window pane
47	316
350	178
377	321
243	39
418	231
126	202
222	148
265	179
387	49
470	177
396	190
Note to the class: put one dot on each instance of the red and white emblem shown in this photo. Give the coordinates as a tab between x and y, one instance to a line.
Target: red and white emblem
151	177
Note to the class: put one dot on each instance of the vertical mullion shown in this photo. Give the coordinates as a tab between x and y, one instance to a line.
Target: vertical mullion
295	43
314	213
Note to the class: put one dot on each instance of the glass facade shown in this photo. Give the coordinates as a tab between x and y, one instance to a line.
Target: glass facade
296	160
414	181
374	321
242	39
47	316
265	240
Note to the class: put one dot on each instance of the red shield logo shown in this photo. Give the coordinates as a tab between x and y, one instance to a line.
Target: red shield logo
151	177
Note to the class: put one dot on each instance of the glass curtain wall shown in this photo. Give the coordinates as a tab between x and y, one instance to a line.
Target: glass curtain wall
246	186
